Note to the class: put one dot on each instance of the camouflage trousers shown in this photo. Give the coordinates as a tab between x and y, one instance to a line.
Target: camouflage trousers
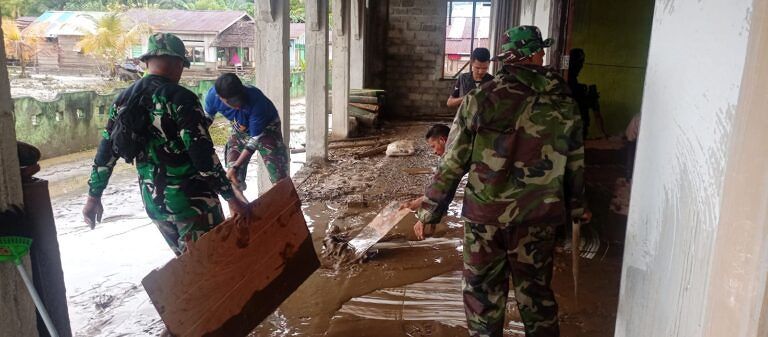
269	145
178	233
493	254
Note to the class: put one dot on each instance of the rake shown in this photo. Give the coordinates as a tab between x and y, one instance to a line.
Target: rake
13	249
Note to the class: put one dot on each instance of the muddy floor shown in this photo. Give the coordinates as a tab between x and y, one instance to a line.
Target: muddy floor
405	288
413	288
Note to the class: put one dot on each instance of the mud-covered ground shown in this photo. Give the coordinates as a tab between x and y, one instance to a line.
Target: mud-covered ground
413	288
405	288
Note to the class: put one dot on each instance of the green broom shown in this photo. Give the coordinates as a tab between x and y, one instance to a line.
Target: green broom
12	249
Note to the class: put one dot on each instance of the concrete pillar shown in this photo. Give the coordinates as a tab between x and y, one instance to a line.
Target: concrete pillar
17	312
10	180
272	66
695	253
317	79
358	22
340	59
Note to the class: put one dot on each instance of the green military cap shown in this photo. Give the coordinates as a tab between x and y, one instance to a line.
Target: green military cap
521	42
165	44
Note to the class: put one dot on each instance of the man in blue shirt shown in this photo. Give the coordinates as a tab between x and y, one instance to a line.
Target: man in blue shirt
255	127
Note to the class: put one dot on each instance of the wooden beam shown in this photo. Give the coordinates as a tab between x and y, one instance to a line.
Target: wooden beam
239	273
378	228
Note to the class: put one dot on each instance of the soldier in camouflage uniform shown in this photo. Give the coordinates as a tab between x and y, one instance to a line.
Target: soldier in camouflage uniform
519	138
180	176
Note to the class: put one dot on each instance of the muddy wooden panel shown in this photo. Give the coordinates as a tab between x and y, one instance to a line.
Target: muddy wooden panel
235	276
378	228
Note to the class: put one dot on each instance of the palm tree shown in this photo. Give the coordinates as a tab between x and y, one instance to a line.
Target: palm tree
111	40
21	46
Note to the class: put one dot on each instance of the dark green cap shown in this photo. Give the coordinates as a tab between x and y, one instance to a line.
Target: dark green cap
521	42
165	44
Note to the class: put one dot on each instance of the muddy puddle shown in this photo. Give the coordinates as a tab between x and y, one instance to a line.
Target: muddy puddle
391	264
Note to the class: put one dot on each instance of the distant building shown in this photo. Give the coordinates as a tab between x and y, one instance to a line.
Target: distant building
59	33
460	38
215	40
296	50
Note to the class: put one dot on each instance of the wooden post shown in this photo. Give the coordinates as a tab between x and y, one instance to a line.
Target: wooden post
272	67
17	312
340	84
317	80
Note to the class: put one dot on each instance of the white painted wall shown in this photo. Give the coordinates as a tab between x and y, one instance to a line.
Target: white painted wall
527	12
695	67
537	13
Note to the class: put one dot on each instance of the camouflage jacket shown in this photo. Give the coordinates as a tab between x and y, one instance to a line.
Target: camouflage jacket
181	175
520	139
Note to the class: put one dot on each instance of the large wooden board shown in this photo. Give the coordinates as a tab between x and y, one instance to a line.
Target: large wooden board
378	228
235	276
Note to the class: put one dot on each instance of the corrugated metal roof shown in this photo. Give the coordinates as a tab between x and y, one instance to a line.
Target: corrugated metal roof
459	35
462	47
183	21
24	21
55	23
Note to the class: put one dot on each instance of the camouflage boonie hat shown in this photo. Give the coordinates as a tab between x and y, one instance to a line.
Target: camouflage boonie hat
521	42
165	44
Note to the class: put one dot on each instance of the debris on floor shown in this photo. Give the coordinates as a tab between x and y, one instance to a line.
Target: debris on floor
401	148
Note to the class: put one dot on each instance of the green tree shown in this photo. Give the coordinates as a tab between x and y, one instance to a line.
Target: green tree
110	42
298	14
17	8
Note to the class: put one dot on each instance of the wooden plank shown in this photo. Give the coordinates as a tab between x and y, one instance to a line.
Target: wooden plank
343	145
378	228
372	152
364	99
239	273
368	107
367	92
418	170
356	139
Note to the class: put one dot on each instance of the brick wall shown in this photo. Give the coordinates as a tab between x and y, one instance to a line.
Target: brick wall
415	44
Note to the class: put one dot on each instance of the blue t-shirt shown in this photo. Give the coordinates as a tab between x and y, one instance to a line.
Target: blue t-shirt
256	113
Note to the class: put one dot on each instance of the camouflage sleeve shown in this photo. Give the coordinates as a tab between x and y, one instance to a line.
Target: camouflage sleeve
193	130
574	169
104	161
453	165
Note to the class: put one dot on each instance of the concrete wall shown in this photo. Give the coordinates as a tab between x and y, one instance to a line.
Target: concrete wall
692	87
72	122
68	124
414	47
615	37
536	13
